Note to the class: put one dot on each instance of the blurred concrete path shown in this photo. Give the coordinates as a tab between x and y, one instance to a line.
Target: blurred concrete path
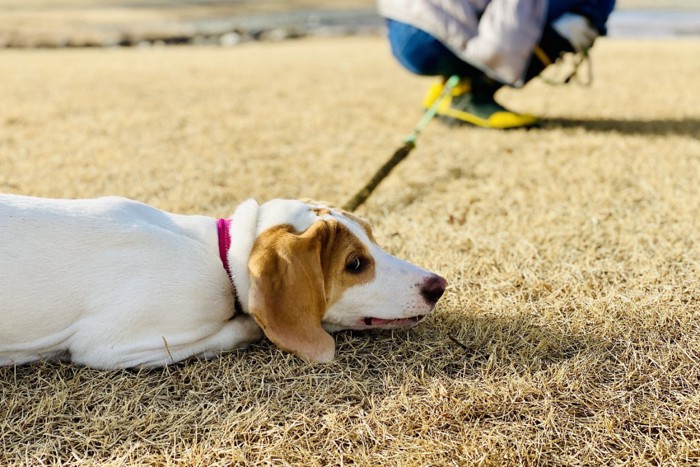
101	23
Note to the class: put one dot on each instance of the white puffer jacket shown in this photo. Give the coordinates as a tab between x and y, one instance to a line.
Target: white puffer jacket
496	36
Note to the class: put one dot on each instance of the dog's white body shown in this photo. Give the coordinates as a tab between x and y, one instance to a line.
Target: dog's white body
113	283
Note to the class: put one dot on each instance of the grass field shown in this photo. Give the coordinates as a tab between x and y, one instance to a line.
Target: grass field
569	335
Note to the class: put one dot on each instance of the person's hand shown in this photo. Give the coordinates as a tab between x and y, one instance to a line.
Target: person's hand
576	29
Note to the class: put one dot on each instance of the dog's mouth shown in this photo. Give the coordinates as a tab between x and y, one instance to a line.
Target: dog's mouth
392	323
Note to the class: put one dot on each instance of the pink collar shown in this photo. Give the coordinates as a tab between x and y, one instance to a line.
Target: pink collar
224	230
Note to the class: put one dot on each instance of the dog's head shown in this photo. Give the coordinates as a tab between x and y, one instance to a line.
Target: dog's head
313	269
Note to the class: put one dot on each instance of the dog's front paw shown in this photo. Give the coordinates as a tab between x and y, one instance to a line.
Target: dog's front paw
249	328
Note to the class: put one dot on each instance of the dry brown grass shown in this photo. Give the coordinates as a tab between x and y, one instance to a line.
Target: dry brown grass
570	334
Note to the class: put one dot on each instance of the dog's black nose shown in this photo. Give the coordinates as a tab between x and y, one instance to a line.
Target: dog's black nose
433	288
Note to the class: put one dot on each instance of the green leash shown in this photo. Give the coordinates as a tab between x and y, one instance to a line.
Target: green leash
408	144
579	59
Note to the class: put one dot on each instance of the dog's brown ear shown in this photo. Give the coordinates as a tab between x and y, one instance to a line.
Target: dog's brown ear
287	295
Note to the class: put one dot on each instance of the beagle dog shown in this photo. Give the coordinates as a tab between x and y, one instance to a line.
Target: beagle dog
114	283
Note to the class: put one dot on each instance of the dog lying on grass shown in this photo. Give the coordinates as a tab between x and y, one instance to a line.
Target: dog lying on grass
114	283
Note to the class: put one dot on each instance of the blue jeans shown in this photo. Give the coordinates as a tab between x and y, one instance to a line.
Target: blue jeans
423	54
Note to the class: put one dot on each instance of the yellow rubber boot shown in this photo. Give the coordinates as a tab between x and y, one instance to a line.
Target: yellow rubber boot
435	91
463	107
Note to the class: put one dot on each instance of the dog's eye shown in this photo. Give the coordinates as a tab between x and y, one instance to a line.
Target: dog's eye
356	265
